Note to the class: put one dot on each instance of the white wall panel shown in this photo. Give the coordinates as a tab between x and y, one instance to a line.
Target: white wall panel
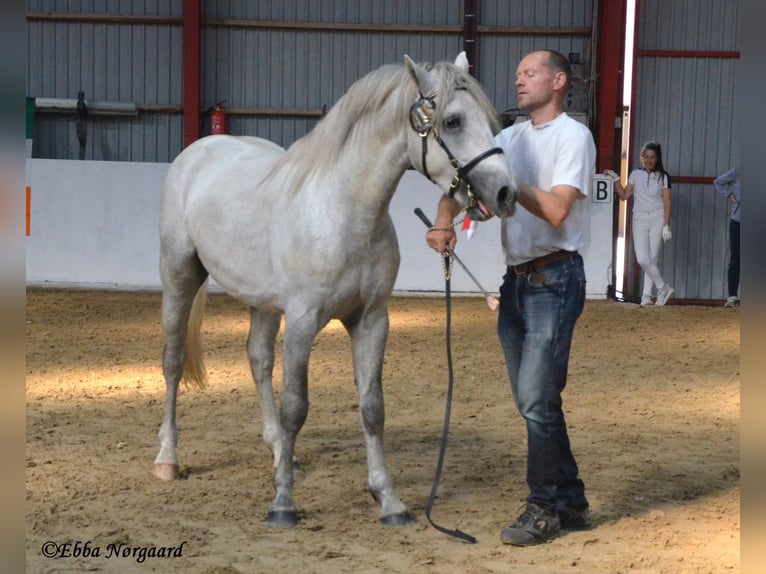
96	224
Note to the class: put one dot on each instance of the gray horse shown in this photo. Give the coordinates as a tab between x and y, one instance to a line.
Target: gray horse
305	233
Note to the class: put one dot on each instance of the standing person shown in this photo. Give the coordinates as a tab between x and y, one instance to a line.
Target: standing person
728	184
650	187
543	289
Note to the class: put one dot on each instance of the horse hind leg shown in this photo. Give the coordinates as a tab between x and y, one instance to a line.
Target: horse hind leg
181	287
293	410
368	336
264	327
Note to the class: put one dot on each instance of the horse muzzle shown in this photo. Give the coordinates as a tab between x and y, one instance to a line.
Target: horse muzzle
506	200
502	204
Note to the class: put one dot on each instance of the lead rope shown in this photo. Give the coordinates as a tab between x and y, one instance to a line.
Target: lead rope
448	407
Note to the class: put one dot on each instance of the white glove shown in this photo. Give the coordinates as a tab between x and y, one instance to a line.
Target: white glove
613	175
666	234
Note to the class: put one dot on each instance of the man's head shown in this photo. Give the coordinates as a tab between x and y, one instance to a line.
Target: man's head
542	80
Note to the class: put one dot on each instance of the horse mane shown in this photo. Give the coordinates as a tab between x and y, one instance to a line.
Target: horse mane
320	150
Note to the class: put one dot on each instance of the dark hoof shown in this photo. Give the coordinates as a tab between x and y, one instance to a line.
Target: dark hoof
282	518
401	519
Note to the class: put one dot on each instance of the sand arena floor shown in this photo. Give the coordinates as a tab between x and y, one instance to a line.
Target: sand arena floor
652	405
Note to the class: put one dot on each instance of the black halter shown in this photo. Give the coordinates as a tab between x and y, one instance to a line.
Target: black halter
422	121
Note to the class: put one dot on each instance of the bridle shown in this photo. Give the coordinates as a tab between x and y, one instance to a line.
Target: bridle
422	121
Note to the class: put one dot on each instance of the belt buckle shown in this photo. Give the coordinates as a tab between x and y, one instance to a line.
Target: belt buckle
521	269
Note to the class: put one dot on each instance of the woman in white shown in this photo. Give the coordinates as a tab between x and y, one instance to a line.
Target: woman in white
650	188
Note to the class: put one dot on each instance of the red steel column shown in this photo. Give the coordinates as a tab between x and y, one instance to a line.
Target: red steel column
611	53
611	76
192	70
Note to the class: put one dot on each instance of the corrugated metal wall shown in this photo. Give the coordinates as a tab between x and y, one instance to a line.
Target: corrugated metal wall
121	51
684	97
509	30
277	64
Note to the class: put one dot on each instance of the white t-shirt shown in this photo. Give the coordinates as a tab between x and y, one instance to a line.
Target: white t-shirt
647	189
560	152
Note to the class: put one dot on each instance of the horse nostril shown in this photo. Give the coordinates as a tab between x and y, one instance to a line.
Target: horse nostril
502	195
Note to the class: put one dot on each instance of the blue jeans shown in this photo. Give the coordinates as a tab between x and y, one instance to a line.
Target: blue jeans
537	317
733	271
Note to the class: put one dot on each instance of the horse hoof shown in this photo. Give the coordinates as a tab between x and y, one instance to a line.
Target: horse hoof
282	518
400	519
166	471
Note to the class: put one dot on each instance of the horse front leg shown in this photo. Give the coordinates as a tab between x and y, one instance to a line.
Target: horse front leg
369	334
293	410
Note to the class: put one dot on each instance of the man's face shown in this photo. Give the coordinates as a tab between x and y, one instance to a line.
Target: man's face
534	82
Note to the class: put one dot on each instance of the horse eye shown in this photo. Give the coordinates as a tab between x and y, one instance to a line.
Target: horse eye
452	122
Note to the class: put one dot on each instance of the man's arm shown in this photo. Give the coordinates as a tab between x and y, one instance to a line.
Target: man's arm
722	182
442	234
553	206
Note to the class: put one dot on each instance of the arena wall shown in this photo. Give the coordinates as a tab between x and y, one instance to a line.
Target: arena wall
95	224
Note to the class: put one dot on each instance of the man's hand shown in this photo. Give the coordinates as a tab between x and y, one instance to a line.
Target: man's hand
442	233
439	238
666	234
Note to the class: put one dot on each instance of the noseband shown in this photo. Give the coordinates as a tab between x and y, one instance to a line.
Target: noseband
422	121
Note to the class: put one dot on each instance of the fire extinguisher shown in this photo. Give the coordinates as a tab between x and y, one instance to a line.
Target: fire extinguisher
217	119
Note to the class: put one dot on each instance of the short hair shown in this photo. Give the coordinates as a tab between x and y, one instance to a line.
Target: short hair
557	62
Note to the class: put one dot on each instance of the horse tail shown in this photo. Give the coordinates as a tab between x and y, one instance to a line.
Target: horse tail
194	367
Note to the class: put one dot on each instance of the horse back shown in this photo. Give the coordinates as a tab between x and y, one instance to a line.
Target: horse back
263	242
215	154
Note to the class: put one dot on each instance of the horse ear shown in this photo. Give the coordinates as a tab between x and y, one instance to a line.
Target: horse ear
425	82
461	62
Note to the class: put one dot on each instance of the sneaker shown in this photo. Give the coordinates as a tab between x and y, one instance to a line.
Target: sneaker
732	301
535	526
664	294
646	300
573	517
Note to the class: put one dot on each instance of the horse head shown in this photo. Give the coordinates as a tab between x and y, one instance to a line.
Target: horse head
452	111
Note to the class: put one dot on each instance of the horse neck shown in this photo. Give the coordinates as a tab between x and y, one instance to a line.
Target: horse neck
370	168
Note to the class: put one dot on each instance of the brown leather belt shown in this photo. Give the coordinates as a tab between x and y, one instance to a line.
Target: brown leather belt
534	265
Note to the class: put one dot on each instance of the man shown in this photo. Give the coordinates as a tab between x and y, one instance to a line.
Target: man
728	184
543	290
